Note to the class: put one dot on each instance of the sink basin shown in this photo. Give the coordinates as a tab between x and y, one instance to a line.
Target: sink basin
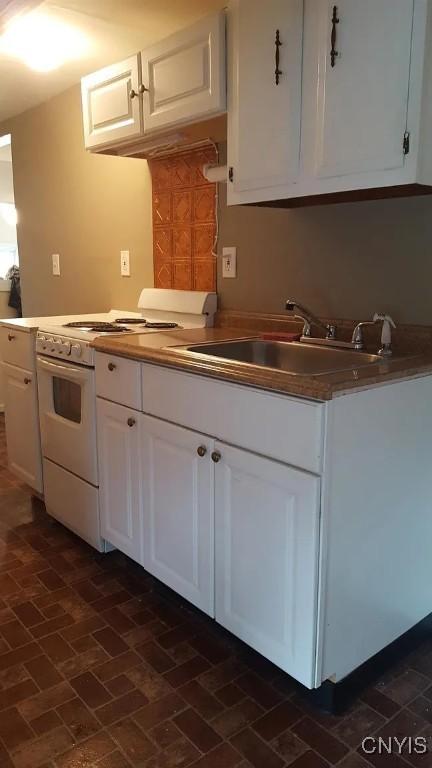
295	358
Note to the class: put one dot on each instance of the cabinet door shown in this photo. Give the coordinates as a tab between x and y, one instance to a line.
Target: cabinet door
22	425
185	75
359	99
111	111
264	116
120	477
267	523
178	493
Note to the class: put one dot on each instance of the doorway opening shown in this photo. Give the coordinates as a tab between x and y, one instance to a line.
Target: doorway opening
8	215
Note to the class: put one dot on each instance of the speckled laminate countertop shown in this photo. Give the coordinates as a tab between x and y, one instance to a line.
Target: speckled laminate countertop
160	348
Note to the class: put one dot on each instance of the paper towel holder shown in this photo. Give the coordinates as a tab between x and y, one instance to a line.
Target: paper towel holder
215	173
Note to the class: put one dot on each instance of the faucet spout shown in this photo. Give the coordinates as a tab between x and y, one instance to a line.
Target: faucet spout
310	319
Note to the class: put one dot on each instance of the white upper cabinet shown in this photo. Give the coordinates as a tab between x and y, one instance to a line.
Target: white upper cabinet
184	75
265	77
267	535
357	72
179	81
354	94
111	104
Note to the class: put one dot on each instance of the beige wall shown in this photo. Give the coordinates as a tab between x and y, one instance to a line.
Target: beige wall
345	260
85	207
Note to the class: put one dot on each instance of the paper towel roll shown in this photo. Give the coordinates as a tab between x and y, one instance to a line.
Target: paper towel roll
215	173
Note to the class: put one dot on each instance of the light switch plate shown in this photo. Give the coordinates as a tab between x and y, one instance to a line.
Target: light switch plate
229	262
125	263
56	264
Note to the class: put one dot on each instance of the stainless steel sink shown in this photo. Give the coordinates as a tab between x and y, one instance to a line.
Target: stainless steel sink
295	358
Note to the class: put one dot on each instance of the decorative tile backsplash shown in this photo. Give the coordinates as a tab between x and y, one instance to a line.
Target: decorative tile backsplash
184	221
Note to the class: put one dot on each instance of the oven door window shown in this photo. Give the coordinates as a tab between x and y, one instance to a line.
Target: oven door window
67	399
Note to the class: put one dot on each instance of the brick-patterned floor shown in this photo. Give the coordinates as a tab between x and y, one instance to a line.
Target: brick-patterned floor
101	666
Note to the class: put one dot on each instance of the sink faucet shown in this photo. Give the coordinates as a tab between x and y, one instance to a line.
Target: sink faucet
387	324
310	319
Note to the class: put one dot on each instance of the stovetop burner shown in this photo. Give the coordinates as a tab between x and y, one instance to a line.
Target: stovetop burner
145	323
130	321
95	326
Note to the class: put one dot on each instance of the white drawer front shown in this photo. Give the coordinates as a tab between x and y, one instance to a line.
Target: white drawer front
119	380
278	426
18	348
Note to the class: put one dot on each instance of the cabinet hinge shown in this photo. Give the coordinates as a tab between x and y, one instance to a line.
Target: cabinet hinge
406	143
231	173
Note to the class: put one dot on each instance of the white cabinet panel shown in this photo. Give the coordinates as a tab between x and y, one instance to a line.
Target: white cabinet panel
360	96
118	379
286	428
110	111
120	477
178	499
18	348
267	537
22	425
264	117
185	75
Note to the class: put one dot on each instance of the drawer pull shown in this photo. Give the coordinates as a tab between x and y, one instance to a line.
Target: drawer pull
201	451
216	456
10	337
27	381
111	366
131	422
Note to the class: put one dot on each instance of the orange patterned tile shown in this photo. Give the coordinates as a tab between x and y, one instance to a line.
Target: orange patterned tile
203	239
184	221
161	174
182	207
204	203
182	275
181	171
182	243
161	208
163	274
162	243
204	276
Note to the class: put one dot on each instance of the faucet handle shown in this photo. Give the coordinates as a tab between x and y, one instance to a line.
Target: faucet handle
386	334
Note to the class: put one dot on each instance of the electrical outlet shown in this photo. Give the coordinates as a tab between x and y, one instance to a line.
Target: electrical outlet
56	264
229	262
125	263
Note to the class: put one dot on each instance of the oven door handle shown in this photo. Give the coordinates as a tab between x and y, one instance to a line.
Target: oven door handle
70	371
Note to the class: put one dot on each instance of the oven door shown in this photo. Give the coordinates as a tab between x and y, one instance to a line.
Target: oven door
67	408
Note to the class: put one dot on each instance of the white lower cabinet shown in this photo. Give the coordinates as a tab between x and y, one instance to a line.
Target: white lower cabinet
120	477
267	537
22	425
234	533
178	509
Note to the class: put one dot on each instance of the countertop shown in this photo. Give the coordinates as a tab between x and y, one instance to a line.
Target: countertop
160	348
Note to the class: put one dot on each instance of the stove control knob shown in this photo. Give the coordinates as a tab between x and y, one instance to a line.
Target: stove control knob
76	350
66	347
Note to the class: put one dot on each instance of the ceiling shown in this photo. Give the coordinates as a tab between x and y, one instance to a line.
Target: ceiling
114	29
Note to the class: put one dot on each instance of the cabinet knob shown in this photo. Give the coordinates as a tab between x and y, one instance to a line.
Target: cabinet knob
133	93
27	381
131	422
216	456
111	366
201	451
10	337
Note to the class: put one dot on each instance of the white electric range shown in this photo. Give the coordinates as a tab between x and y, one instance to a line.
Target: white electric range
67	396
